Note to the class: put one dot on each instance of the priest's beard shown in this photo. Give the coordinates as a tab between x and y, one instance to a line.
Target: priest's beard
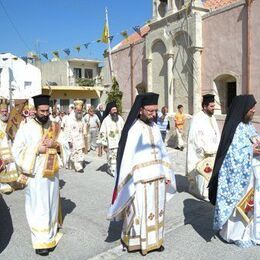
114	117
4	118
209	112
146	119
78	116
42	119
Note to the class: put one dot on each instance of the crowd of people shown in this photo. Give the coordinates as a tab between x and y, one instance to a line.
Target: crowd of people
221	168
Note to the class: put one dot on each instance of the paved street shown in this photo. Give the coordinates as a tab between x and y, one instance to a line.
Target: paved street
87	234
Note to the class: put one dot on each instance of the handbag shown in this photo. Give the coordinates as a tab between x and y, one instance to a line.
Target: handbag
205	167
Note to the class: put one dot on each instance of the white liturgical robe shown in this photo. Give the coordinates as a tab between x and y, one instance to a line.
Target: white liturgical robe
75	130
42	193
203	140
109	136
142	190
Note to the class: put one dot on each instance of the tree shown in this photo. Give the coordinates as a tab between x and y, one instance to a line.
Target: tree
115	95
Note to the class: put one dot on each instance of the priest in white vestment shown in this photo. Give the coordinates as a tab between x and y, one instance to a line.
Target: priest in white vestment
109	135
203	141
145	179
75	131
37	148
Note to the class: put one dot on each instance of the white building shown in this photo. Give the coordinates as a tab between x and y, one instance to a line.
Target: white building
18	79
70	79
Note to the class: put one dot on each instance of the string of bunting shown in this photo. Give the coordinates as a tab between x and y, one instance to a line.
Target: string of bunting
57	53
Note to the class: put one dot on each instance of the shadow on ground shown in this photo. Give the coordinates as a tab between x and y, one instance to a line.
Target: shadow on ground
85	163
182	183
62	183
114	231
6	225
199	214
102	168
67	207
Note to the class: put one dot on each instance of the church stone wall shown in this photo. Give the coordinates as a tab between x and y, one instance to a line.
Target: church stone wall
159	72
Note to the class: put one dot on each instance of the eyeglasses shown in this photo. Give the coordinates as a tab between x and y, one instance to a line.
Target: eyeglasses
151	111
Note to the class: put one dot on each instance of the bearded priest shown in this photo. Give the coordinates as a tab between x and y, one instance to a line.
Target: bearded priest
37	150
144	178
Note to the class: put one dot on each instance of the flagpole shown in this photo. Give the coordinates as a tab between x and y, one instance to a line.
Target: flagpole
109	49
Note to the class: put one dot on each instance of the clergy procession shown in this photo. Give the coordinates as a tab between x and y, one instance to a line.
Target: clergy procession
222	167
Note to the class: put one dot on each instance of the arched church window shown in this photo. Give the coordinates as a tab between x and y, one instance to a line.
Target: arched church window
162	8
179	4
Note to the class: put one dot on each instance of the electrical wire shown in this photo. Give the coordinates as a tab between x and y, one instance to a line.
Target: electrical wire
14	27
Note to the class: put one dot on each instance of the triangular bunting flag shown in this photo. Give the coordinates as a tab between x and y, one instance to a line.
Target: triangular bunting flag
137	29
86	44
34	56
111	38
56	54
77	48
67	51
45	55
124	34
25	59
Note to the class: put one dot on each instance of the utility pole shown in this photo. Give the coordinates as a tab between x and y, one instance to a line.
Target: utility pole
132	73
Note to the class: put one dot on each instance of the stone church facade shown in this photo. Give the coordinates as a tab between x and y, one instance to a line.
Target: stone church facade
189	48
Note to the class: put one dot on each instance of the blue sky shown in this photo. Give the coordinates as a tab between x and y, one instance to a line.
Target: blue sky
48	25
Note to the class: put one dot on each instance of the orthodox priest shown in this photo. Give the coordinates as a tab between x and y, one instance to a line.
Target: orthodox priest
37	148
203	141
144	176
234	186
75	131
110	133
8	169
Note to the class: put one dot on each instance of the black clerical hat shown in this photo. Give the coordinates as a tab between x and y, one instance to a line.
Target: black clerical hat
41	100
149	98
109	106
208	98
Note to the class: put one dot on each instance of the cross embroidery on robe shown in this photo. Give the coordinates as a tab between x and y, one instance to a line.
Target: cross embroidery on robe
151	216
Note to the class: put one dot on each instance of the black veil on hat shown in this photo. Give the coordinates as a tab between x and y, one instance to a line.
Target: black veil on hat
238	109
141	100
41	100
109	106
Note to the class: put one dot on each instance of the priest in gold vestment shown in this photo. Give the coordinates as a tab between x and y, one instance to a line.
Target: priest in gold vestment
37	148
8	170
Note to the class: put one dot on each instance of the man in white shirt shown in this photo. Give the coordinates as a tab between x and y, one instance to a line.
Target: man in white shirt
203	141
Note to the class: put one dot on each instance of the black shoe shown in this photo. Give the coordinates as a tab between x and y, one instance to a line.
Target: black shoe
161	249
42	252
51	249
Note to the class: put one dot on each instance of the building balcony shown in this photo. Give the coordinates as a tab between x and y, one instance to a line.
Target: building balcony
85	82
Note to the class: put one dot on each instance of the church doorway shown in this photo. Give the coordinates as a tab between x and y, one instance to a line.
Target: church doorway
226	88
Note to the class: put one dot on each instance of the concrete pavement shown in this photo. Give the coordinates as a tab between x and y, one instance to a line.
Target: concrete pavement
87	234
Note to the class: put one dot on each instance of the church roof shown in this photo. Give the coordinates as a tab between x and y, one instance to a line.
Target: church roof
215	4
133	38
210	4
